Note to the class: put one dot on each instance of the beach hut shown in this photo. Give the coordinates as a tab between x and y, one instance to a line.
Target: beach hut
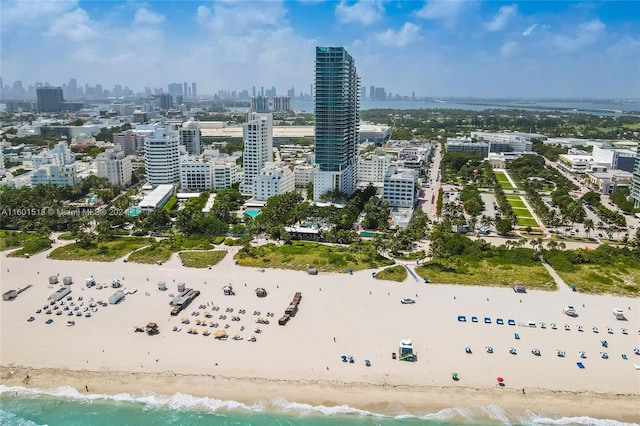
312	270
519	288
67	280
115	283
116	297
405	351
53	279
162	285
10	295
181	287
90	282
619	314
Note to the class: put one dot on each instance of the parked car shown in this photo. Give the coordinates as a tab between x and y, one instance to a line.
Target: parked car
407	301
570	310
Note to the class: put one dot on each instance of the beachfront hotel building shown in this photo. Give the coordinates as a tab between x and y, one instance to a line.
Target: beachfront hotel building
131	141
337	116
257	135
226	174
162	157
115	166
195	174
373	167
400	187
274	179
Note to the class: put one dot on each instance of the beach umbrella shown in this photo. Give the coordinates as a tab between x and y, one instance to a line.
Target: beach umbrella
500	379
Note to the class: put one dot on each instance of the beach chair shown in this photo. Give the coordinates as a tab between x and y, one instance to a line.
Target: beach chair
462	318
624	356
500	321
516	336
604	343
511	322
467	349
474	319
487	320
580	365
367	363
604	355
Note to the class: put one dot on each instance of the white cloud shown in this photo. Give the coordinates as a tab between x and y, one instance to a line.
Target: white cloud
446	11
586	34
234	18
242	49
529	30
33	12
364	12
144	16
75	26
409	33
509	49
502	18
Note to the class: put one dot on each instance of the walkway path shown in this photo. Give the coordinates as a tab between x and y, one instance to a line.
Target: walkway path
562	286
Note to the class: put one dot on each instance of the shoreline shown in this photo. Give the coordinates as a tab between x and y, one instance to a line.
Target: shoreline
376	399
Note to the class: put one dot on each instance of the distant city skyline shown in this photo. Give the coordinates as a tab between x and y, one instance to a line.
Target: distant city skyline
461	48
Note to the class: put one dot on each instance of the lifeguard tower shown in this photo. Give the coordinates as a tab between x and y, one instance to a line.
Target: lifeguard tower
405	351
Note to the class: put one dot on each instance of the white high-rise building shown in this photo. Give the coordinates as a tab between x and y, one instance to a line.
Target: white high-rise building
257	135
400	187
162	157
303	174
63	153
195	174
372	168
191	137
274	179
115	166
60	175
226	174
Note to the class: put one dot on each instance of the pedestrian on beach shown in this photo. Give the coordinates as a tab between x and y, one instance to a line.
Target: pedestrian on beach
523	391
86	387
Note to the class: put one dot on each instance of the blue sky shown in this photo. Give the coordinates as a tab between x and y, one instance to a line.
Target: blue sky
435	48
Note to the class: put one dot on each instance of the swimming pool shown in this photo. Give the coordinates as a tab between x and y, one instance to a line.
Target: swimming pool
134	211
370	234
252	213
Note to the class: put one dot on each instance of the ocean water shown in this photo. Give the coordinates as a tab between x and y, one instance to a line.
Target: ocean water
66	406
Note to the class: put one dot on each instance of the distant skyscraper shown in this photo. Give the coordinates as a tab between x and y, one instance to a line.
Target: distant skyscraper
291	93
175	89
72	89
363	93
185	89
166	101
337	118
372	92
193	90
50	99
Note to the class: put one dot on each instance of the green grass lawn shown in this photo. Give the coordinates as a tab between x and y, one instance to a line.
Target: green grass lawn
606	269
24	241
488	272
150	255
161	251
503	181
202	259
299	255
395	273
600	279
527	221
517	203
107	251
67	236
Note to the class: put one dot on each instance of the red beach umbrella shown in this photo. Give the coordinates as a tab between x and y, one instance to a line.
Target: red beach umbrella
500	379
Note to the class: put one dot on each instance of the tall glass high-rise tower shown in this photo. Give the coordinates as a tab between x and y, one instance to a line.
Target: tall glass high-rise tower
337	114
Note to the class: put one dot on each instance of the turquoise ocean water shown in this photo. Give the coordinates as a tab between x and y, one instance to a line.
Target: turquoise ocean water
67	407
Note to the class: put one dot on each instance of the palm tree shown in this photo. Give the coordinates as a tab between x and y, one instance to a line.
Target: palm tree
588	226
552	245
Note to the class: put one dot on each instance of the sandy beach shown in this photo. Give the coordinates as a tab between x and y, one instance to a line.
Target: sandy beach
340	314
